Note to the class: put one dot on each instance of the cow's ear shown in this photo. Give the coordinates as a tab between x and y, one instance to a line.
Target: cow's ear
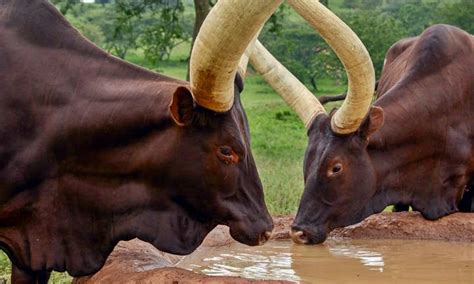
182	106
372	122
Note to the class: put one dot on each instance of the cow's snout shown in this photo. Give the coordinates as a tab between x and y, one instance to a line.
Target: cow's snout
264	237
306	236
252	233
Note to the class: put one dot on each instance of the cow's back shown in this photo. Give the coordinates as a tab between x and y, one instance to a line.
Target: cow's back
426	91
53	79
442	54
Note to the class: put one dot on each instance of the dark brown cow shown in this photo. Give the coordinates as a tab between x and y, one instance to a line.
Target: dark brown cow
94	150
415	146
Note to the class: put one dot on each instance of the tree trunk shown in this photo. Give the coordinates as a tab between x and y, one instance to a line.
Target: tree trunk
202	8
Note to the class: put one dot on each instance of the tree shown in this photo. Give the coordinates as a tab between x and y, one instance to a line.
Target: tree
371	4
201	8
304	53
64	5
377	31
416	17
351	4
459	13
161	36
154	24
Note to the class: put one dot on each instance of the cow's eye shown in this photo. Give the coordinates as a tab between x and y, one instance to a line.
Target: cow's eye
335	170
227	155
226	151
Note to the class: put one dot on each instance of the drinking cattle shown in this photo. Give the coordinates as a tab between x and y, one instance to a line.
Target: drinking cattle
94	150
413	147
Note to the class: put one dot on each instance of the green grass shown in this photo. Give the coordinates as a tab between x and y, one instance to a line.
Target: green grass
5	268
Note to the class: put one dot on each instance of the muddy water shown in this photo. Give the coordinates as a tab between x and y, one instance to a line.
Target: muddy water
356	261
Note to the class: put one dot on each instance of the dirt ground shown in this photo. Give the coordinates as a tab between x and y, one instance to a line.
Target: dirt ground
139	262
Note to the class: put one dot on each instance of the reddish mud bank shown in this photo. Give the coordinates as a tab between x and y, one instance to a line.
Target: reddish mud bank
402	225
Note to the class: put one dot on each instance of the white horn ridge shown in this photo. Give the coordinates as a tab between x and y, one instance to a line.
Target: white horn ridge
219	46
355	58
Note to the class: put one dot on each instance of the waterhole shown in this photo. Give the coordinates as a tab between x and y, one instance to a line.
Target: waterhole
355	261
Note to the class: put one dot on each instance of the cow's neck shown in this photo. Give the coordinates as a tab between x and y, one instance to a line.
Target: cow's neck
87	219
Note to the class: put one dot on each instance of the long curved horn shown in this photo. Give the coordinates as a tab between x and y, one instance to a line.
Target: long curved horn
244	60
223	38
353	55
293	92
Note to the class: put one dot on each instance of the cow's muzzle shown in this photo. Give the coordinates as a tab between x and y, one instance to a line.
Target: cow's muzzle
254	233
307	236
264	237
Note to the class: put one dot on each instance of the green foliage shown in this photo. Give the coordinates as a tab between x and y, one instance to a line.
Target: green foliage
351	4
460	13
64	5
5	270
161	36
362	4
277	19
155	26
414	16
377	31
303	52
378	23
89	20
371	4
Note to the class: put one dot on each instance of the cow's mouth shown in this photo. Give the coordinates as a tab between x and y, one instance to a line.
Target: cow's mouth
309	235
252	233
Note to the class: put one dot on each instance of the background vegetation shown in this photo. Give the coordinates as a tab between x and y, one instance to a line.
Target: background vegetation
157	34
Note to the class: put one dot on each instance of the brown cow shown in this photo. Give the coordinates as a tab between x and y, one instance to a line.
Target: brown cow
94	150
415	147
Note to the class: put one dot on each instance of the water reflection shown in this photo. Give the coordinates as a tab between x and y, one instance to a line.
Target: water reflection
267	262
372	259
360	261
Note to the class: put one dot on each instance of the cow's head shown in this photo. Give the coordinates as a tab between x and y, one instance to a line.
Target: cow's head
338	173
213	175
181	163
339	178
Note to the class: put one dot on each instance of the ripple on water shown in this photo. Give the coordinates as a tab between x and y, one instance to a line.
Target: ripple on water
357	261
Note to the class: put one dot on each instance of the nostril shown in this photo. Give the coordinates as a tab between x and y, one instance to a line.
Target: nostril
299	237
268	234
264	237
